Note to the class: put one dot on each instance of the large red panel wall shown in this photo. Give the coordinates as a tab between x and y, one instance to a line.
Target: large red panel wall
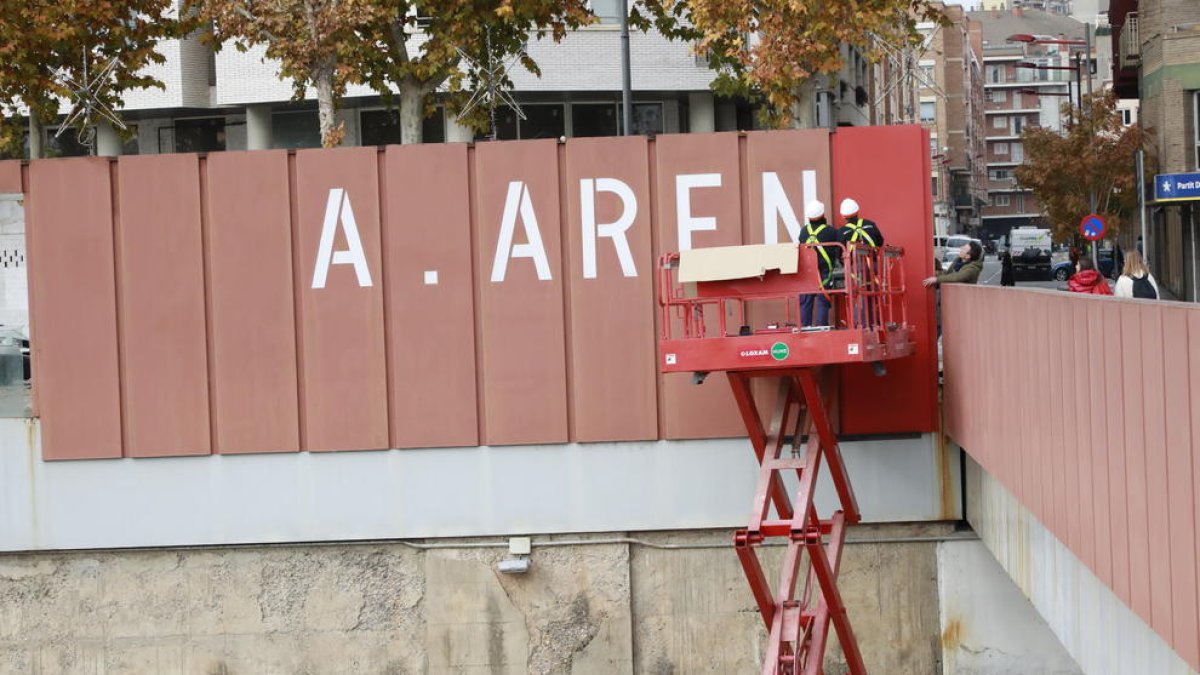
425	296
886	170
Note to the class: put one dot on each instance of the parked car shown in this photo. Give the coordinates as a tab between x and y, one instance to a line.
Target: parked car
1063	270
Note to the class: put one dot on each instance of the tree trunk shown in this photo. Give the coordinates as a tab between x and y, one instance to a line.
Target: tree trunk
412	111
35	136
330	133
805	110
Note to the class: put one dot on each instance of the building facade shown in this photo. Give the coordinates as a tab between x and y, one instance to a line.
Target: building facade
1158	47
939	84
1022	88
234	100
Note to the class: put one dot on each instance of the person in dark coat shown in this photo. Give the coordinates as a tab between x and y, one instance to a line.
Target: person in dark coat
1008	276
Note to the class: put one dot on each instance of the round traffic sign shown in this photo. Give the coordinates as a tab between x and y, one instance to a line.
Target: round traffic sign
1093	227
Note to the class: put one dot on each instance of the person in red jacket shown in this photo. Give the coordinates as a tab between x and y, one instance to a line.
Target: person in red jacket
1087	280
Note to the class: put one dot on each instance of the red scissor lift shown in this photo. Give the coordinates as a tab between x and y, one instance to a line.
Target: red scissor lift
760	287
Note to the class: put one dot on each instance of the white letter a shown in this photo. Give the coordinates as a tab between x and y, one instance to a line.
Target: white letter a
339	205
518	201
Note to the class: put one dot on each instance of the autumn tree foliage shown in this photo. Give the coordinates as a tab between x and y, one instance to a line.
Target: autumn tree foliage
43	43
771	50
1094	156
403	49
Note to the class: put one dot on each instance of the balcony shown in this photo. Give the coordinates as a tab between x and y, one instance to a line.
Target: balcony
1131	43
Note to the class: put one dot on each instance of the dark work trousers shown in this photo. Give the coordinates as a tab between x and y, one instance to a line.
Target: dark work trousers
820	303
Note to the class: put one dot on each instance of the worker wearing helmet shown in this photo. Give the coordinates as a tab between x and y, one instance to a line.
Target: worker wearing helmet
814	307
857	233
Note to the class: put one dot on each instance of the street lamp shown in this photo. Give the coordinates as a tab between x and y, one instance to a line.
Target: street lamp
1078	78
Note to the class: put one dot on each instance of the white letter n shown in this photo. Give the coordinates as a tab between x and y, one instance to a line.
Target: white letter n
337	210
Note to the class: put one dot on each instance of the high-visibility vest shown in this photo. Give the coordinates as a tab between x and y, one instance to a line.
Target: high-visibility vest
812	239
857	230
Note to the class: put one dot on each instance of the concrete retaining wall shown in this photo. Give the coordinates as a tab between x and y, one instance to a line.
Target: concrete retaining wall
1100	632
387	608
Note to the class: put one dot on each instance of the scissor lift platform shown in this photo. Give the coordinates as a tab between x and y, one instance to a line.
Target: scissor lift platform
758	287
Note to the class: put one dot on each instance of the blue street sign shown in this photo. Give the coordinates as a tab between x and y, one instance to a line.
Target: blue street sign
1175	187
1093	227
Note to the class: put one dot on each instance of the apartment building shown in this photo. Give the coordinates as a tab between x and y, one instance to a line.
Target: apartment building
1021	89
1053	6
939	84
1158	43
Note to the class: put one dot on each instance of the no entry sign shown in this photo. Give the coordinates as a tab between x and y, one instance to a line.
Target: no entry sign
1093	227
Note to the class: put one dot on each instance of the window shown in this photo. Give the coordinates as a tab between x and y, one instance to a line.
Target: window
1018	152
543	121
1000	149
1018	125
382	127
594	119
647	119
995	74
1019	202
608	11
988	94
927	76
295	130
935	192
928	111
1000	96
1000	174
1000	200
1195	124
200	135
1126	116
1000	122
933	146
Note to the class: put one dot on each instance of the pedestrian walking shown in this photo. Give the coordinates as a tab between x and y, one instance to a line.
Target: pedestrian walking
1008	276
1135	280
1087	279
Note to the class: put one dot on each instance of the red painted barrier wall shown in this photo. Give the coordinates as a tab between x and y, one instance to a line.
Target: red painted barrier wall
422	296
1088	410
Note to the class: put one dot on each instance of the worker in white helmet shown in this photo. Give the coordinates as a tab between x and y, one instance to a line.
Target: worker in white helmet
814	307
859	233
857	230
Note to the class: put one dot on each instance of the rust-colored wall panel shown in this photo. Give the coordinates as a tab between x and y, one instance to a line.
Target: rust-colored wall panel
71	269
611	277
708	410
1078	505
1180	455
342	362
430	304
1154	440
1101	444
1193	332
10	176
164	361
800	162
1135	467
889	190
1115	426
520	331
252	320
1108	457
